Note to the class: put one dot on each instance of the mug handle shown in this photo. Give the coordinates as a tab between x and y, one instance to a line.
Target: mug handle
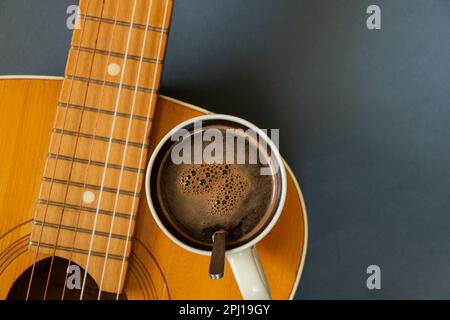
249	274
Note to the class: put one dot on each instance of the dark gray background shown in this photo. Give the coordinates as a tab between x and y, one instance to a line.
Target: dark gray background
363	116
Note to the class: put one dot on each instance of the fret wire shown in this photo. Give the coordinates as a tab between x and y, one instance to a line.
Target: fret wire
99	138
116	54
124	107
91	186
108	112
111	84
95	163
124	23
77	250
81	230
83	208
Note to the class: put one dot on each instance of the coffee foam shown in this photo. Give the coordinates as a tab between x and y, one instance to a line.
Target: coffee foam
221	185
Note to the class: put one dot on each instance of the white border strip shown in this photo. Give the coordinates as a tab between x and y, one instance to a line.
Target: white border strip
191	106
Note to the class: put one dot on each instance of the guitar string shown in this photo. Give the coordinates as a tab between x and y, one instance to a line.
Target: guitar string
66	191
108	152
84	188
54	169
155	79
130	122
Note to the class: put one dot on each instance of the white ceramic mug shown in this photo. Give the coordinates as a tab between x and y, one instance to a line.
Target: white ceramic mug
243	260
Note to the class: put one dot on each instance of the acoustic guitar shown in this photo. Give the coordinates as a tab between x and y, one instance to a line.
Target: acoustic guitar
74	153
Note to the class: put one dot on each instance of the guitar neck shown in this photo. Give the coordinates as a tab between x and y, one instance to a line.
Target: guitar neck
95	167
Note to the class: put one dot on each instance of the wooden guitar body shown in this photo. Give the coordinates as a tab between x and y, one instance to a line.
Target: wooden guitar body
158	269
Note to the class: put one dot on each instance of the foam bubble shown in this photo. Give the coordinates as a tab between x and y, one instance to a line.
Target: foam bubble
222	186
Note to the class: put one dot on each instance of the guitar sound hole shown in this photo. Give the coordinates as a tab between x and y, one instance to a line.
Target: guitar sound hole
56	284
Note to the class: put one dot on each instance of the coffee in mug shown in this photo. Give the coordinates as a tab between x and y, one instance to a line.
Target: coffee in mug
237	191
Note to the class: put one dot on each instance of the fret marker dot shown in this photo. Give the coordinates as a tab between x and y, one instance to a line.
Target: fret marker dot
113	69
88	197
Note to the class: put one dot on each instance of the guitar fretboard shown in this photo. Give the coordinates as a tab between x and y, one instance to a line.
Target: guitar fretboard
94	172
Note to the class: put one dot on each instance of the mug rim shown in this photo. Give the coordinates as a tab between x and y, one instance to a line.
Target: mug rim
274	151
